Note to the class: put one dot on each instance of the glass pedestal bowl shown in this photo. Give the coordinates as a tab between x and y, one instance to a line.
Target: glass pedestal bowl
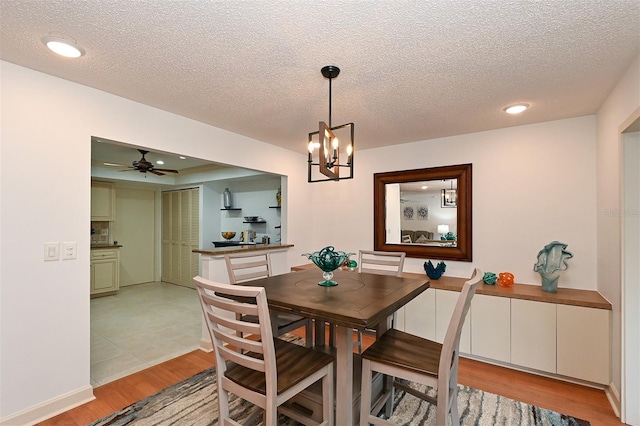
328	260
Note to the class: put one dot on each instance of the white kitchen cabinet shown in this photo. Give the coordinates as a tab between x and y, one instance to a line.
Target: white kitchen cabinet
103	201
105	271
491	327
420	315
533	335
583	343
445	304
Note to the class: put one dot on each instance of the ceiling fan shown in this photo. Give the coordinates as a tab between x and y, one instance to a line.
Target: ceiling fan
144	166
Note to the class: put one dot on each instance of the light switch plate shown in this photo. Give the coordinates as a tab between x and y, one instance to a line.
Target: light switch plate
51	251
69	250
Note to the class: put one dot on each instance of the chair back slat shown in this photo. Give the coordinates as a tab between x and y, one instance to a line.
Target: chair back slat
236	324
228	304
231	334
252	363
381	262
243	267
238	342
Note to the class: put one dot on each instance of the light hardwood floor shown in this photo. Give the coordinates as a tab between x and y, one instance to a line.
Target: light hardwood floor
579	401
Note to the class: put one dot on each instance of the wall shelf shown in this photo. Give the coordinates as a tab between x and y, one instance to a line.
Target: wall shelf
255	221
233	209
275	207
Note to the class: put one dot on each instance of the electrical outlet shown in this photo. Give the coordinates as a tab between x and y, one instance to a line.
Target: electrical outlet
51	251
69	250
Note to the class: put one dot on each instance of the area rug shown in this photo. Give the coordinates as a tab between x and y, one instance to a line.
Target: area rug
194	402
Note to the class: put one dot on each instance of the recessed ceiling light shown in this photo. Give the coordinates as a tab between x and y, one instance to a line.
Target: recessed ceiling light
63	46
424	187
182	158
516	109
160	162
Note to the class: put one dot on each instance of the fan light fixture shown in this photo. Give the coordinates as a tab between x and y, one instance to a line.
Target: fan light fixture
63	47
324	145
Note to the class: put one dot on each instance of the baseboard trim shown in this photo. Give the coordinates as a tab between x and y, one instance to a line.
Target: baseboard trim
206	345
536	372
50	408
613	395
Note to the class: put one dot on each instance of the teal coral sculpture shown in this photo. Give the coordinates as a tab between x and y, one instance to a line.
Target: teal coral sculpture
434	272
328	260
552	260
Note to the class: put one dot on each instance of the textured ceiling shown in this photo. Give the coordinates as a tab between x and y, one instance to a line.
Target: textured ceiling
411	70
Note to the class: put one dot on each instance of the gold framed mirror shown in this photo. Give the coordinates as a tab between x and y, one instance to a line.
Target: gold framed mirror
425	213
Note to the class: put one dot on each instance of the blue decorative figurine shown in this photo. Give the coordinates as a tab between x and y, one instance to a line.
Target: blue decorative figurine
434	272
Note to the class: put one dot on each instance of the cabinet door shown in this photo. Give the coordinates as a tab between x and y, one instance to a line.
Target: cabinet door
445	305
420	315
102	201
533	335
491	327
180	236
583	343
104	276
189	235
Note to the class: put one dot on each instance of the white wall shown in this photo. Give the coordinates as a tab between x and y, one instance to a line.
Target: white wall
532	184
44	339
623	101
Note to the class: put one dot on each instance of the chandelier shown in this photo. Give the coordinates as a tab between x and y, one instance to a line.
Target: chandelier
325	156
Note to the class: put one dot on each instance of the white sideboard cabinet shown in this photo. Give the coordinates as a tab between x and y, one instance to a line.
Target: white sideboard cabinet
491	327
445	305
564	334
420	316
583	343
533	335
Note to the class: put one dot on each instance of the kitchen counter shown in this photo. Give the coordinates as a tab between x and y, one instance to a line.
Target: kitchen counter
105	246
249	247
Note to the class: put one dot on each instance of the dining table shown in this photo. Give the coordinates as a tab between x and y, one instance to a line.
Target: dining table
360	301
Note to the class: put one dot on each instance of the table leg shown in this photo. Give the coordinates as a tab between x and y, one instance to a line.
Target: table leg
320	332
344	376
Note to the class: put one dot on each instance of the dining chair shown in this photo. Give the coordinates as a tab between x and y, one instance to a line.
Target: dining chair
379	262
409	357
255	366
247	266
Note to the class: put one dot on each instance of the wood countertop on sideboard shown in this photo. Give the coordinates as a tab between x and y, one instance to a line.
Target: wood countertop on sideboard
564	296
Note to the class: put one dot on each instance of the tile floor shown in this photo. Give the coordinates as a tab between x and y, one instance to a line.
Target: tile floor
141	326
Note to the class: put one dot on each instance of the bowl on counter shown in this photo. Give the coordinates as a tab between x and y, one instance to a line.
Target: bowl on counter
251	218
227	235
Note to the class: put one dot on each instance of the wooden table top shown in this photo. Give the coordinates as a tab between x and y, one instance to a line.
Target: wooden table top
358	301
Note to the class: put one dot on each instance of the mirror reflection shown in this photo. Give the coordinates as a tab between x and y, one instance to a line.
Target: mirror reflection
422	212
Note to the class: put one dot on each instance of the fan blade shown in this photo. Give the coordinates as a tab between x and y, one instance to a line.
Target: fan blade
114	164
156	172
130	169
166	170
